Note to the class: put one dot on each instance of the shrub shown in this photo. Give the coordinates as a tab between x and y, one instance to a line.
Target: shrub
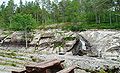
83	27
102	71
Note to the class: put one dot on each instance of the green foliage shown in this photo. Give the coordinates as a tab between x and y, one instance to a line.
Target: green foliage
19	17
13	64
9	55
83	27
58	44
12	53
69	38
23	22
102	71
34	59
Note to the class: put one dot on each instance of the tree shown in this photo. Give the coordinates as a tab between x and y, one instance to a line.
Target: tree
55	12
21	4
75	11
62	10
23	22
2	9
37	10
48	7
9	12
43	3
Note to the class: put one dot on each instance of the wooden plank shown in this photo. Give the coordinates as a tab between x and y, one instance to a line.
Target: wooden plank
68	70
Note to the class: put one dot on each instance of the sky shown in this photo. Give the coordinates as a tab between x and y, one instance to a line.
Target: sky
16	1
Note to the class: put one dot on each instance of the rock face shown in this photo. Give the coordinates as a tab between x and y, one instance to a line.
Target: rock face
84	62
102	43
105	42
50	43
80	47
53	41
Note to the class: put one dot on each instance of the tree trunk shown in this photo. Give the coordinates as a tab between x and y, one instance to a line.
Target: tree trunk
99	19
10	21
110	18
96	19
116	19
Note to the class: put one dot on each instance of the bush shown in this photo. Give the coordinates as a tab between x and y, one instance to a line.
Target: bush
22	22
102	71
83	27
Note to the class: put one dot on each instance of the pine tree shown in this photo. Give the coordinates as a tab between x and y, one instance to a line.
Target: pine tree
9	12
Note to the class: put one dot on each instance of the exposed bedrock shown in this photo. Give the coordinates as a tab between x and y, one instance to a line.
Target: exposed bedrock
83	47
102	43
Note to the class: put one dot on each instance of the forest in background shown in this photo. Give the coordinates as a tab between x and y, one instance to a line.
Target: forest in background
79	14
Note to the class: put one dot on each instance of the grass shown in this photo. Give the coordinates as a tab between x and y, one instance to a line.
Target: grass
69	38
58	44
83	27
9	64
11	54
102	71
51	26
35	59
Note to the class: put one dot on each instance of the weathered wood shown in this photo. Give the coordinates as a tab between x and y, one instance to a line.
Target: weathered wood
68	70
